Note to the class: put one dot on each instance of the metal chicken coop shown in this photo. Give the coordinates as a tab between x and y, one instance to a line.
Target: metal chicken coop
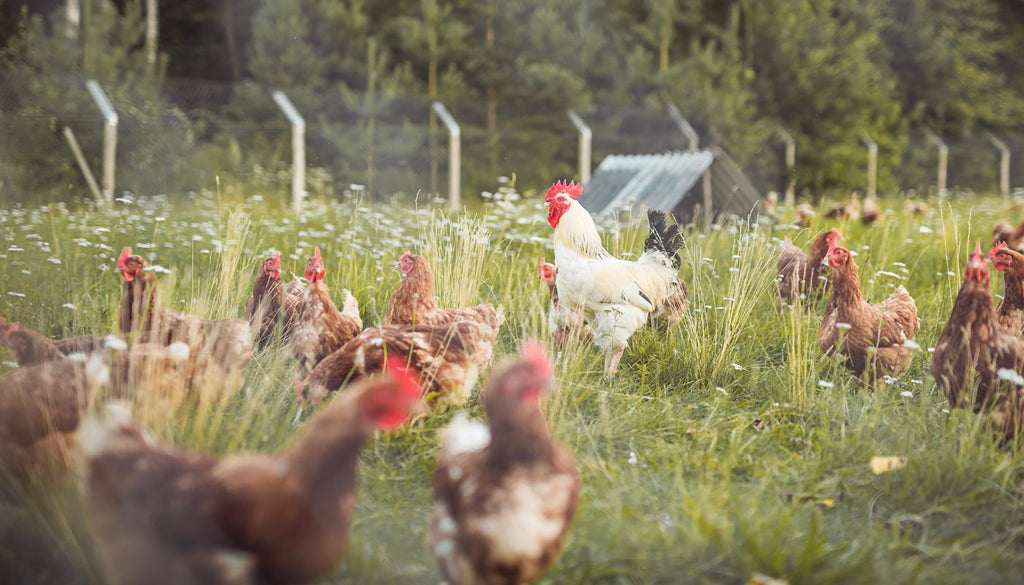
705	182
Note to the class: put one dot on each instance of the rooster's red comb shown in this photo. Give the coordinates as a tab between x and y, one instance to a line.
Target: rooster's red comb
533	353
995	249
316	255
573	189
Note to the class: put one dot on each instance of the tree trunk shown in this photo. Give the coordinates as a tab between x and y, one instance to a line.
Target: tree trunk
229	37
74	11
666	36
492	92
371	122
430	15
152	28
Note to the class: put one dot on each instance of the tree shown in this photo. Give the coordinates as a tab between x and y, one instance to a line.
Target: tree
820	72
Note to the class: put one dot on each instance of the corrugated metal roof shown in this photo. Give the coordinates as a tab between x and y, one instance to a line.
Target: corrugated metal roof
665	181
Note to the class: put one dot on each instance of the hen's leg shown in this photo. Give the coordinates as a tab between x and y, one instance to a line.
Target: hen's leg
611	360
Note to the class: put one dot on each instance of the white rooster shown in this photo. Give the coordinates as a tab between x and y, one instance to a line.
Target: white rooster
617	295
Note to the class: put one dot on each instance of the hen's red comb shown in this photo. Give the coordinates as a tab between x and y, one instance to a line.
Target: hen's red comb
995	249
316	255
977	251
571	188
533	353
407	382
125	253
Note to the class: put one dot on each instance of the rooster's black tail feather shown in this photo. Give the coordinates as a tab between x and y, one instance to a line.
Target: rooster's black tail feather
665	239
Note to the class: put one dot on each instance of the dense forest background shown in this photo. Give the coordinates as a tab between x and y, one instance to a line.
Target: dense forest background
363	73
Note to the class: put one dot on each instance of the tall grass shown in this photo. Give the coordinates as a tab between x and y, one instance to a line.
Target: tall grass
714	454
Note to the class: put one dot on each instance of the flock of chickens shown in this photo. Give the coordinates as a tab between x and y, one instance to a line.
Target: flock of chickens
505	492
980	353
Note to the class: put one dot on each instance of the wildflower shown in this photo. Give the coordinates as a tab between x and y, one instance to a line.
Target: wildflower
1010	376
114	342
825	384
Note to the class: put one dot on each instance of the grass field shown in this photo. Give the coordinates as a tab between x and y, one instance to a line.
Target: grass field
729	446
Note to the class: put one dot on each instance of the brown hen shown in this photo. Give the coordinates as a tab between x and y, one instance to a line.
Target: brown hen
218	349
447	358
975	358
318	328
504	494
40	408
871	337
161	515
1013	236
564	323
413	301
1011	310
802	273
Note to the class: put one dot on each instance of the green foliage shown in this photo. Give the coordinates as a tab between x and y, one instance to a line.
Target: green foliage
364	74
823	79
44	72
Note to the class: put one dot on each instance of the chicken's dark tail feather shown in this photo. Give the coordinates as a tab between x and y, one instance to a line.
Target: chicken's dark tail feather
665	239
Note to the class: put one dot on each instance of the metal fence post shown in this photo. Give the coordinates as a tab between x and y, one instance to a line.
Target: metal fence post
298	148
872	163
684	126
109	137
454	154
787	139
1004	163
82	163
586	138
943	159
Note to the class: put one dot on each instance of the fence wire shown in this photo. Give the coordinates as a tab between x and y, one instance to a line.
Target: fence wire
184	136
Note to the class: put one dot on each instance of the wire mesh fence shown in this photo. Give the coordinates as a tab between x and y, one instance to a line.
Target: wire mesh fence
184	136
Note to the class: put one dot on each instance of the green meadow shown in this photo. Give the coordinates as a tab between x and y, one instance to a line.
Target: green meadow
727	447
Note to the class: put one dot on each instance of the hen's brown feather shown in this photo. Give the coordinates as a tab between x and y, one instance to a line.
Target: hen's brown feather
447	358
263	309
